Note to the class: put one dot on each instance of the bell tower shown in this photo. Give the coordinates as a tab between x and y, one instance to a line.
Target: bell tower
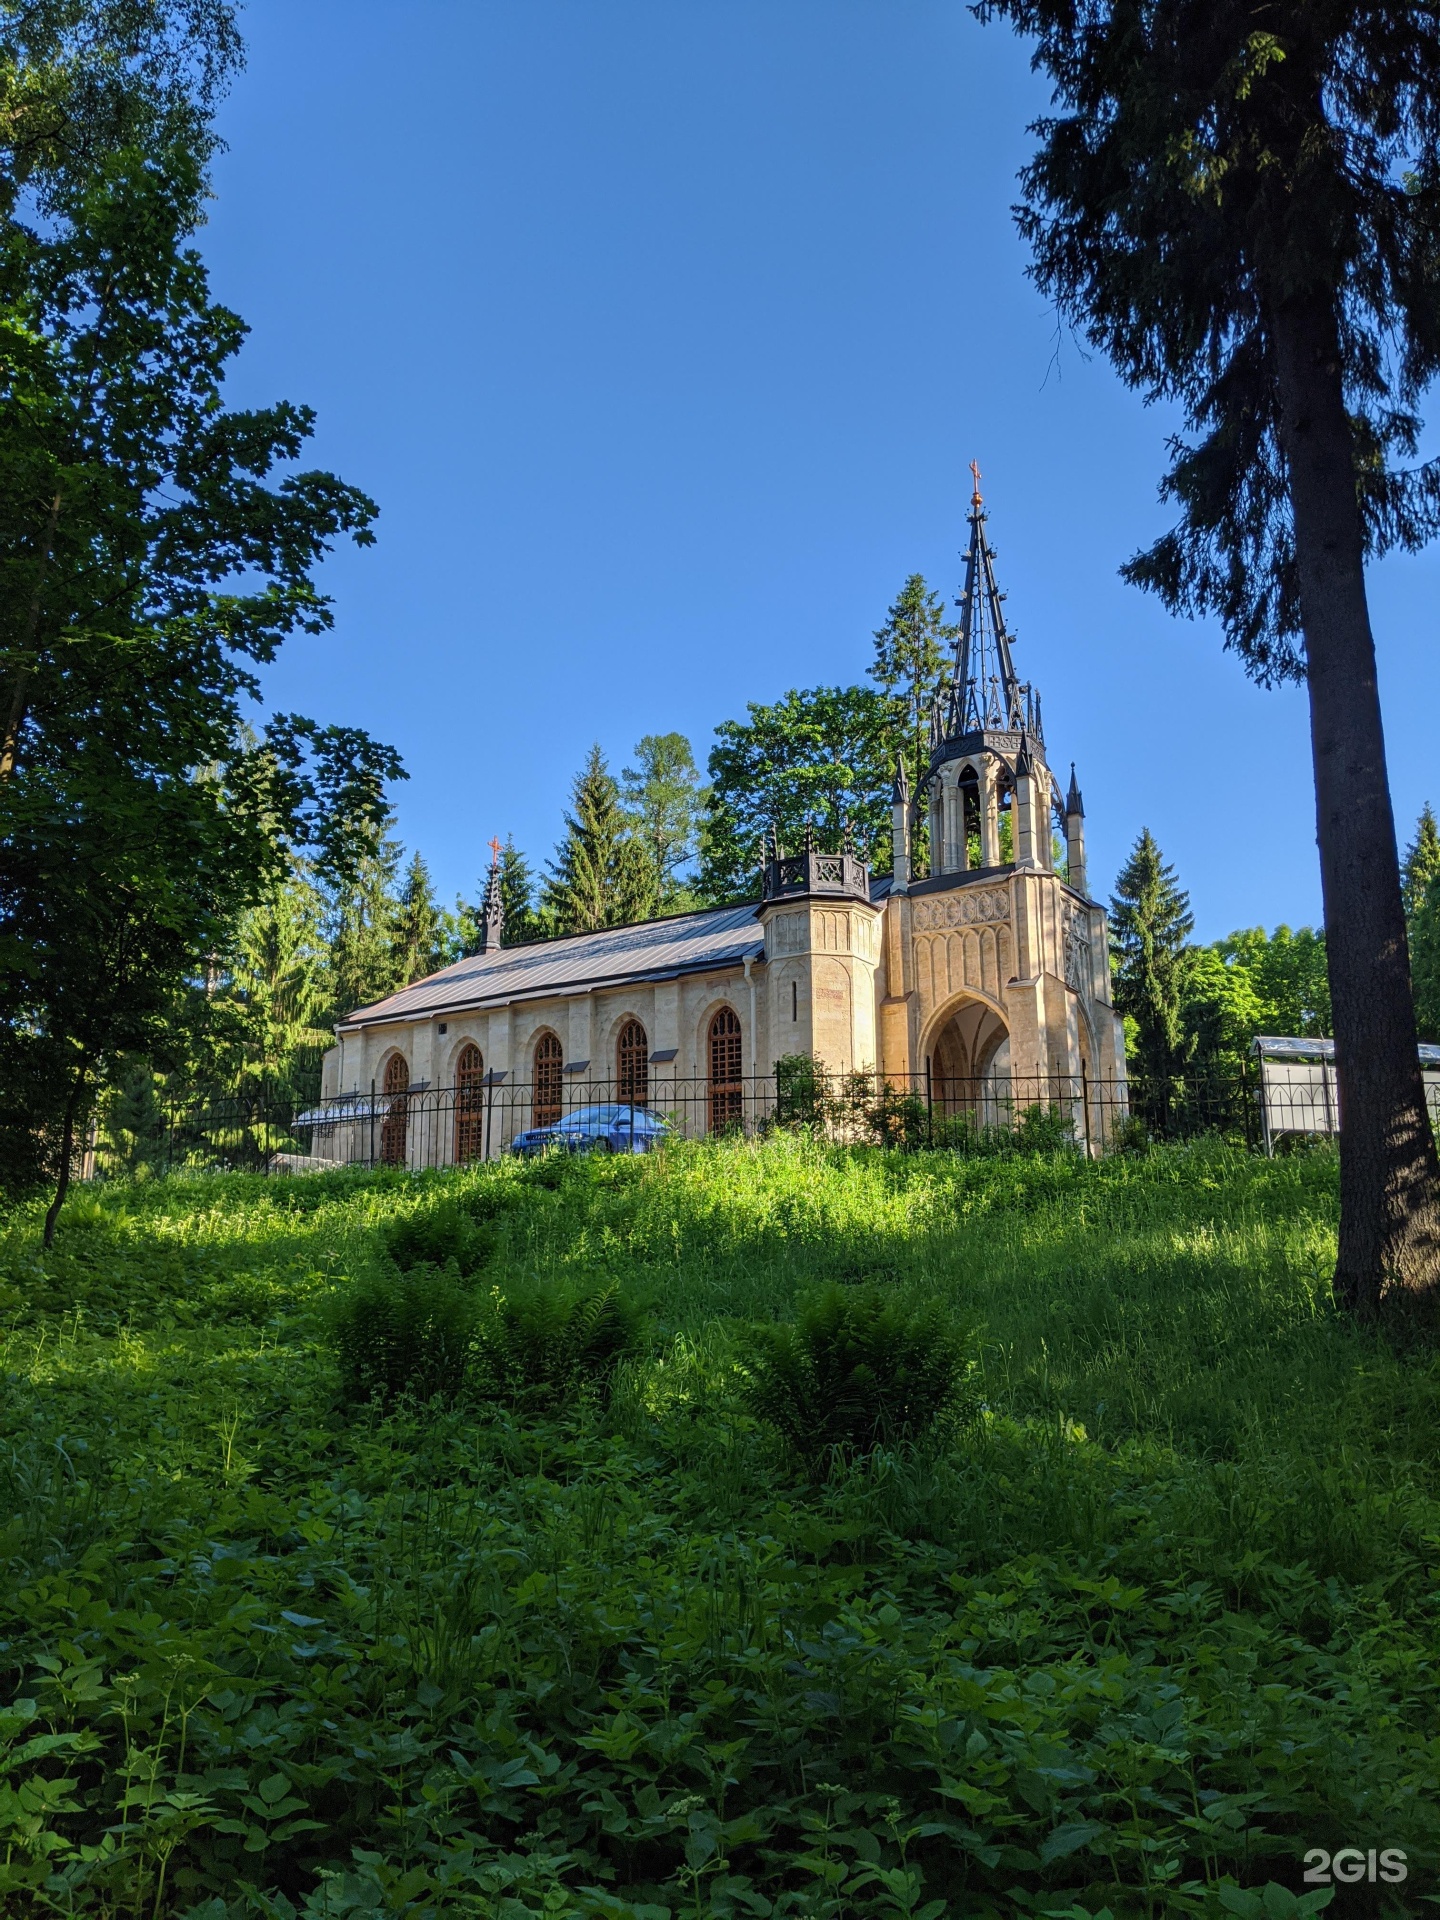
989	789
997	972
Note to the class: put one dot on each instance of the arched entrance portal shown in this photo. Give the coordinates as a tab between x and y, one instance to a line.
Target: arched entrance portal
969	1063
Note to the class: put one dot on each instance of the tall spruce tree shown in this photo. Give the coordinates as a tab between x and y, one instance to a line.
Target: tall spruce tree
1241	207
517	895
1425	951
422	940
361	919
1151	923
1421	863
600	876
1420	881
911	651
275	982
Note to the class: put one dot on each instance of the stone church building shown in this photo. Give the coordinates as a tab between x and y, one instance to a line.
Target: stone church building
982	980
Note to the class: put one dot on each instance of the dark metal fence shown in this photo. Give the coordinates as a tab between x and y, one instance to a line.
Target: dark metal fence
270	1131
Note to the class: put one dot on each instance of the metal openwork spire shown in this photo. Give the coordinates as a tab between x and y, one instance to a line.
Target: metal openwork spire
984	694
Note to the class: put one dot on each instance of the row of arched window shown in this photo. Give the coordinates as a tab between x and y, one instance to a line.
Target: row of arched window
632	1085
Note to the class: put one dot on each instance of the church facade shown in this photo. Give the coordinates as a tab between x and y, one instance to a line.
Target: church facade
977	970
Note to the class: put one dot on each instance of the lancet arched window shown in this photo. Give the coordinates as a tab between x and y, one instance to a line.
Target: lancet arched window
549	1060
469	1103
632	1064
726	1088
395	1125
1006	815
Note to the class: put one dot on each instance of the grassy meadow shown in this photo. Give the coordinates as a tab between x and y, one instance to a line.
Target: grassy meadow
1153	1614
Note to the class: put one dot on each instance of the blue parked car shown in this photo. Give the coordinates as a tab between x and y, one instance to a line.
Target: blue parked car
613	1128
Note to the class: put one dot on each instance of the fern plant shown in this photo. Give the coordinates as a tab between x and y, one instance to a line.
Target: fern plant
399	1333
437	1235
545	1345
859	1368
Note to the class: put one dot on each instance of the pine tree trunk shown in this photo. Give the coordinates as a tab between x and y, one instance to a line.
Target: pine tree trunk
1389	1171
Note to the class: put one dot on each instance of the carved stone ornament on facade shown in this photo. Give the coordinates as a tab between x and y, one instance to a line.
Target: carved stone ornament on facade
974	906
1077	955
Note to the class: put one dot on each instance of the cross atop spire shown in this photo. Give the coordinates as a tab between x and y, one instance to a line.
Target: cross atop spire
984	694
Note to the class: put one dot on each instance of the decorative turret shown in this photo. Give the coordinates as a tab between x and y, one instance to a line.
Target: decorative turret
1026	825
492	913
900	827
812	871
1075	833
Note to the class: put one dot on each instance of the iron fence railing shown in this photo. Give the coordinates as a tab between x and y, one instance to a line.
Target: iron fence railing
269	1131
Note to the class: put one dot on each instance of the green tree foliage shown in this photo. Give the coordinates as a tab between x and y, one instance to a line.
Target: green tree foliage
912	651
1420	880
1421	863
276	985
825	755
425	937
600	876
666	804
361	925
1289	977
150	559
517	896
1150	925
84	80
1250	983
1242	209
1425	960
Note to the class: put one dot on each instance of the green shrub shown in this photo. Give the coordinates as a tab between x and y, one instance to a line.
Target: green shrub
859	1368
1129	1134
799	1091
434	1236
898	1119
546	1344
403	1333
1043	1130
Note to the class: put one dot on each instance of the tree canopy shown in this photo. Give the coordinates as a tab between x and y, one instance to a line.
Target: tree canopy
825	756
600	876
156	549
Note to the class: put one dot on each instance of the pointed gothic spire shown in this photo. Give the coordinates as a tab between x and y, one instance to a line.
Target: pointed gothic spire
984	691
900	792
492	912
1073	802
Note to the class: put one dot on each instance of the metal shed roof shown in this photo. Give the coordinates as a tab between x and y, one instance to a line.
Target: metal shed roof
1272	1046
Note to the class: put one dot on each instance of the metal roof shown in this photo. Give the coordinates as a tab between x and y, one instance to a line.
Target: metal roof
579	963
1274	1047
649	951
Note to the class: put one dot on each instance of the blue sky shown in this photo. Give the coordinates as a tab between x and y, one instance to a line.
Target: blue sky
663	331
